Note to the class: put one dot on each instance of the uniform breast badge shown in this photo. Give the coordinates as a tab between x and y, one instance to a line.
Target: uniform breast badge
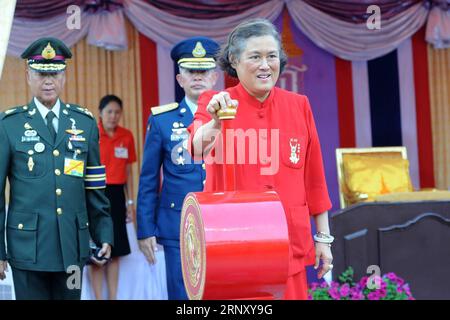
73	166
295	151
74	132
30	135
181	160
30	163
178	132
39	147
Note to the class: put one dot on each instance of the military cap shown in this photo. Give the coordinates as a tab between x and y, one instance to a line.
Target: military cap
196	53
47	55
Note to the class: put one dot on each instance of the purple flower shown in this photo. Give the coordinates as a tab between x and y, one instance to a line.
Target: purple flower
391	276
363	282
385	287
345	290
334	284
334	293
358	287
356	294
373	296
358	297
407	291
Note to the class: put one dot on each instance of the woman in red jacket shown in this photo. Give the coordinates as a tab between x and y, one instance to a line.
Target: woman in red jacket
286	155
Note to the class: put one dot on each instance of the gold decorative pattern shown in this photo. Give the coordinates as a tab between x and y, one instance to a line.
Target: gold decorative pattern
48	66
193	250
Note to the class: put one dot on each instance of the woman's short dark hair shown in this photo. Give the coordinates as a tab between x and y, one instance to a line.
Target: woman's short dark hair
237	40
107	99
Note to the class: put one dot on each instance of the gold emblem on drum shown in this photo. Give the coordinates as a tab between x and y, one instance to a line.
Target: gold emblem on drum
192	250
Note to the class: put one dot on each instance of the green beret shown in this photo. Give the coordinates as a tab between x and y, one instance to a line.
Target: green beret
47	55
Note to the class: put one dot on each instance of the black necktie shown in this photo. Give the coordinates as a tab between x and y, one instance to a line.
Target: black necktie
50	116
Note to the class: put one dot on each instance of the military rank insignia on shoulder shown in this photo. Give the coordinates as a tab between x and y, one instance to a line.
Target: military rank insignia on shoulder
82	110
12	111
9	111
164	108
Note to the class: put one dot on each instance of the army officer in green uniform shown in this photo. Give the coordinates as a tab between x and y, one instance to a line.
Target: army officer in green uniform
50	155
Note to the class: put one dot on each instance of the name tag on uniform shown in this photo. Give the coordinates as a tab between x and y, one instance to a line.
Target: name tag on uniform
73	167
178	137
121	153
31	139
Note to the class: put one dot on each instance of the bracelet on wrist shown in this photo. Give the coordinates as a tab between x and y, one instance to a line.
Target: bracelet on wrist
323	238
130	202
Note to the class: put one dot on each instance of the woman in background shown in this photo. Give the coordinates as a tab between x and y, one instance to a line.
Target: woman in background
117	153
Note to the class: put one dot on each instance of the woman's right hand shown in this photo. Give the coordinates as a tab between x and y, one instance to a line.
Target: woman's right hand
221	100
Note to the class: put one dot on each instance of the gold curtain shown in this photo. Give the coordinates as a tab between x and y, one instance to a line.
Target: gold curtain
439	74
91	73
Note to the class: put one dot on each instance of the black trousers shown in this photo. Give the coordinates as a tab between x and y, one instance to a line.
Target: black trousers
39	285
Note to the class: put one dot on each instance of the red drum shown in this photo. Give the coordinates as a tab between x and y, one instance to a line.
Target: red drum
234	245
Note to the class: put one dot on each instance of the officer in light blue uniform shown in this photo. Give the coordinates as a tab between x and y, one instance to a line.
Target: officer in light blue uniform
159	211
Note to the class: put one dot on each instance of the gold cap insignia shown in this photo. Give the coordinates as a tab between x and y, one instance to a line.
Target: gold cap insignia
48	53
199	51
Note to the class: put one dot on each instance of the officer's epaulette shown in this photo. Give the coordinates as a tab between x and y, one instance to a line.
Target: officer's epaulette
81	110
164	108
12	111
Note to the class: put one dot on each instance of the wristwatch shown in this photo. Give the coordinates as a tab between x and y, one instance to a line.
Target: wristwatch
130	202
